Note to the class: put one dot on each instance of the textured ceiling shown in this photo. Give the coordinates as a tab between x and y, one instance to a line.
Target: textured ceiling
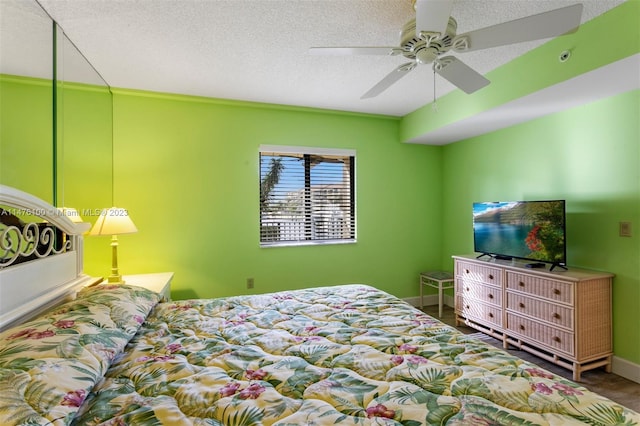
256	50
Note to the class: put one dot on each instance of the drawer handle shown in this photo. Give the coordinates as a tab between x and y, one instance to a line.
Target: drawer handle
556	315
556	339
467	307
490	315
521	284
556	291
466	271
491	296
521	304
521	327
490	276
466	288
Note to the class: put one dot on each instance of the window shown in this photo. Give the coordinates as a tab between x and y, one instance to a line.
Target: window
307	195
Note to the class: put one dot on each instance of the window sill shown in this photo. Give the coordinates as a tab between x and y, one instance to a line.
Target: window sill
306	243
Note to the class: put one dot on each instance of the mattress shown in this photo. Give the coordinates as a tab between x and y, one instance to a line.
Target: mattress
344	355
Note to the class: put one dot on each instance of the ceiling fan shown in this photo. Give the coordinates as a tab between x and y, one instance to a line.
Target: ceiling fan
426	39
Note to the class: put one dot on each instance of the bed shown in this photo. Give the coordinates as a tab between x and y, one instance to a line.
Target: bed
345	355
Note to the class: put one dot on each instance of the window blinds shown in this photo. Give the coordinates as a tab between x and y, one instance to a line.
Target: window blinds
306	197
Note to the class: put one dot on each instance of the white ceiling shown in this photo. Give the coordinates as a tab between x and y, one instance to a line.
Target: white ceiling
256	50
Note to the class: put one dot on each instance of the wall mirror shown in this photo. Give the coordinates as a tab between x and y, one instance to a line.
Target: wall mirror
84	108
26	97
55	113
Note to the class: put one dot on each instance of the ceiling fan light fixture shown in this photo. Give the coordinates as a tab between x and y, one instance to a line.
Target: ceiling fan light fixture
427	55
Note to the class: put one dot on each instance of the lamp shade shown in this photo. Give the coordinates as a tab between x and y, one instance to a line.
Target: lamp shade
113	221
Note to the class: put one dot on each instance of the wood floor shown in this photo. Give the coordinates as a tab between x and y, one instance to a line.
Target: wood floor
612	386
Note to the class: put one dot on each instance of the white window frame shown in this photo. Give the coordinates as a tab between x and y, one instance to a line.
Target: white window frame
305	150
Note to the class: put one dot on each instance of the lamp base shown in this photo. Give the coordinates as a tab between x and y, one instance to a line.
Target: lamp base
115	279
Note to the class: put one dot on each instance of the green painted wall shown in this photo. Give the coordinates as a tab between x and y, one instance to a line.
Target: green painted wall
589	156
187	170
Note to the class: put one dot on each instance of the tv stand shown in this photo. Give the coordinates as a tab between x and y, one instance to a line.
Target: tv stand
494	256
501	257
559	266
563	317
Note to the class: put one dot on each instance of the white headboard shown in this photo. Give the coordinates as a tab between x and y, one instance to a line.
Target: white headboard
28	287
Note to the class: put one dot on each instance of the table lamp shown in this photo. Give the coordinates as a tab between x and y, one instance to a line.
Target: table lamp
114	221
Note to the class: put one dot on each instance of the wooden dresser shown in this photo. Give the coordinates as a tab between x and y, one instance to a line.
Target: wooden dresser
562	316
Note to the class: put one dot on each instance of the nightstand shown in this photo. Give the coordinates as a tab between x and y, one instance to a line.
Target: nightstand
436	279
159	282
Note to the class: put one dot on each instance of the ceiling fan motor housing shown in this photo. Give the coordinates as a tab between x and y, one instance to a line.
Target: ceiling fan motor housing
426	48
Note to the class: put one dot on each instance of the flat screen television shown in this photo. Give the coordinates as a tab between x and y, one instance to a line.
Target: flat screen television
530	230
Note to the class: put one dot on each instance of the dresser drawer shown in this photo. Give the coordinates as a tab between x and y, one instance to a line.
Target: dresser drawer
559	291
545	335
550	312
481	273
484	293
472	309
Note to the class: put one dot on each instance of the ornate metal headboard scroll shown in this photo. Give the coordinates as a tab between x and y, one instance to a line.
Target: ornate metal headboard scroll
21	242
54	234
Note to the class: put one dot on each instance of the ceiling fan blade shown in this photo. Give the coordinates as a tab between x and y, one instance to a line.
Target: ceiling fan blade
432	15
348	51
460	74
391	78
535	27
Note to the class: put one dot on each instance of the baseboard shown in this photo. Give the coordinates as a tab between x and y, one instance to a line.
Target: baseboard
619	366
413	301
626	369
431	299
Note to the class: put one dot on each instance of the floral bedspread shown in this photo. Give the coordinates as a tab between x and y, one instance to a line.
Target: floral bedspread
347	355
50	364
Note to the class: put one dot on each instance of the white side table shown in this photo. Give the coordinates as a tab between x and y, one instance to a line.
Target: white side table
437	279
158	282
